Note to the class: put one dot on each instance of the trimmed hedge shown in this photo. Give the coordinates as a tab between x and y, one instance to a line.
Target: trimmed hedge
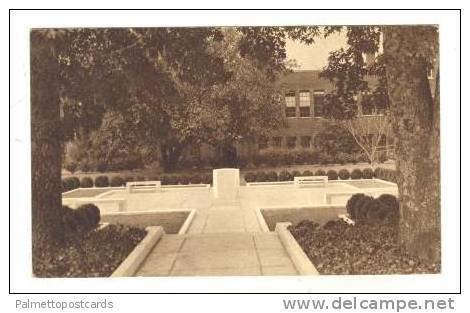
285	176
296	174
344	174
320	172
86	182
117	181
367	173
102	181
70	183
307	173
356	174
363	207
332	175
83	219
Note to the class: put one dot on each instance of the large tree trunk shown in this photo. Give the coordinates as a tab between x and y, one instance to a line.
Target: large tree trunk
415	123
46	184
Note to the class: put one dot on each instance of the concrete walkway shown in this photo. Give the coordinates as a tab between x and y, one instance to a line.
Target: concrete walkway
218	254
223	240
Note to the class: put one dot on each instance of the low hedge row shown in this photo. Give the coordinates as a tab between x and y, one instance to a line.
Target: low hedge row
83	219
366	208
344	174
71	183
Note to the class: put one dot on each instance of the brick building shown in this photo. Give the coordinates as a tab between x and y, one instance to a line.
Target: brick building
304	94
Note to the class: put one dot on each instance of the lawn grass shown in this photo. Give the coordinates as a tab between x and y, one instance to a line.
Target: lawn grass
85	193
367	184
318	215
170	221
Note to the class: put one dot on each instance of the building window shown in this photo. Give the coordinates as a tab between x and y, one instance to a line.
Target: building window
277	142
318	103
305	142
291	142
290	104
304	103
262	143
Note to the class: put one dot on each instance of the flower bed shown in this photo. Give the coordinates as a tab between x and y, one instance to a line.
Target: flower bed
365	248
93	254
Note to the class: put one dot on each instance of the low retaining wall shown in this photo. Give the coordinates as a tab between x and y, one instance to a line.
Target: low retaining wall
301	261
133	261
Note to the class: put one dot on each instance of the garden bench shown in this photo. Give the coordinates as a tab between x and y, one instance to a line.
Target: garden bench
155	183
305	181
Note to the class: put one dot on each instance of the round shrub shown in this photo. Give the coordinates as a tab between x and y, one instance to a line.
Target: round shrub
362	206
351	205
332	175
250	177
117	181
87	216
101	181
65	185
68	219
320	172
343	174
70	183
367	173
356	174
285	176
261	177
390	206
373	210
272	176
307	173
86	182
296	174
93	214
358	206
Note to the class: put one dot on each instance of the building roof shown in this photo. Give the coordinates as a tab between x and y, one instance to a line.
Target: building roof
311	80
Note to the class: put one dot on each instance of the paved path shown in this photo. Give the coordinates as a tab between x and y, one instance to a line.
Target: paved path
224	239
218	254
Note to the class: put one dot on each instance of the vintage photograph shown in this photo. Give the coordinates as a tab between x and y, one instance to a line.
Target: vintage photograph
235	151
